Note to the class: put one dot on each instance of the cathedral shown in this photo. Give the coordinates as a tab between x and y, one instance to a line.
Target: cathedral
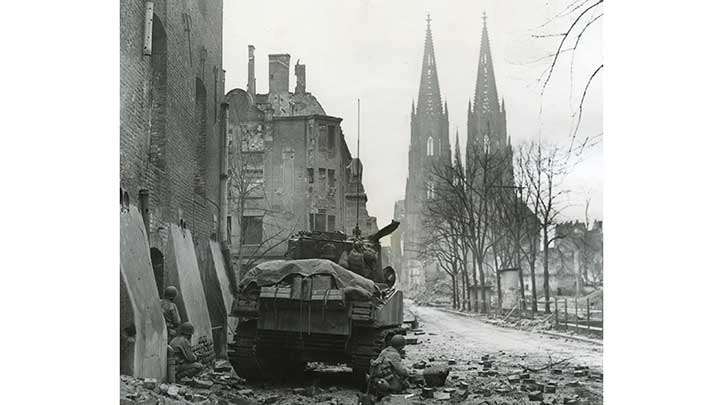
430	145
486	124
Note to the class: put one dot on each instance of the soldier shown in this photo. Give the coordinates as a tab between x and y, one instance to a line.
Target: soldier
387	373
187	362
170	311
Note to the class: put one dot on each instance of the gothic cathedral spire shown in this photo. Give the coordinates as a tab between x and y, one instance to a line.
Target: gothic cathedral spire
486	94
429	102
429	149
486	118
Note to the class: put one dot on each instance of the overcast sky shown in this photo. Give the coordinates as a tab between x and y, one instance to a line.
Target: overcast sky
372	50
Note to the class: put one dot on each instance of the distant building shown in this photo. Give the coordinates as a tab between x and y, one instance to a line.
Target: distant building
575	260
429	147
290	167
486	123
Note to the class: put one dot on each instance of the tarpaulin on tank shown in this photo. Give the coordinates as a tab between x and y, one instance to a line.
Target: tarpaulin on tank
270	273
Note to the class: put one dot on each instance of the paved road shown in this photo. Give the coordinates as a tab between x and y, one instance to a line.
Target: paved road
458	336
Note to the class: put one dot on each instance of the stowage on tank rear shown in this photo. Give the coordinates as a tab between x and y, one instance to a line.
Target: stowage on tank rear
331	301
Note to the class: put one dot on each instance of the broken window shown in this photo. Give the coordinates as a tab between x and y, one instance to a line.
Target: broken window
252	230
331	137
331	178
321	175
311	176
322	138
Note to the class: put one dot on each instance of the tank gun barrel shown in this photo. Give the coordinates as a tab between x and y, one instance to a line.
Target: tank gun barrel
387	230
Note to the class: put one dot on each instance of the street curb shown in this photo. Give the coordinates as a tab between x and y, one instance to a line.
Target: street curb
564	336
554	334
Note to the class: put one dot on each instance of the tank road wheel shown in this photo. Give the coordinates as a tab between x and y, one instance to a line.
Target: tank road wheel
365	345
241	352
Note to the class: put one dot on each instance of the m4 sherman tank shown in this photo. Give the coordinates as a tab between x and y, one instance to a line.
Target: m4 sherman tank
330	301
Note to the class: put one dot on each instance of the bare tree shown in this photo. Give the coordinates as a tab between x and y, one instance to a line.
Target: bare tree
470	194
583	14
543	168
246	189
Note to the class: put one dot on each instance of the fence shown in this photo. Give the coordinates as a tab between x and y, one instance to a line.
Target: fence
582	315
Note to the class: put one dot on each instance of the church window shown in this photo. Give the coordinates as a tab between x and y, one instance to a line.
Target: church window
430	147
430	191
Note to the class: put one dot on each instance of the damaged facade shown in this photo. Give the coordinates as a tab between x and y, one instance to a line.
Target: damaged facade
575	259
172	150
289	167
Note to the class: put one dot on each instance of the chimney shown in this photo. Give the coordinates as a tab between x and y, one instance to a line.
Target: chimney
251	70
279	68
299	78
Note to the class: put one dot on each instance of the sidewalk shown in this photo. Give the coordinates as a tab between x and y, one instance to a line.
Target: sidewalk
483	318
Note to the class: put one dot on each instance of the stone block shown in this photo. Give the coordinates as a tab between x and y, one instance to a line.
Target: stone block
435	375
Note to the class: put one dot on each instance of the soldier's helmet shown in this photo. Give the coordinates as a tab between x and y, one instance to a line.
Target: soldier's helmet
170	292
186	329
397	341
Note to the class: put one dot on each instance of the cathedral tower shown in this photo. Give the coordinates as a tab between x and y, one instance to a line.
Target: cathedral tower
487	129
429	146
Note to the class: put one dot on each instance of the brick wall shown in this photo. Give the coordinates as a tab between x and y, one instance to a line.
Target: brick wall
164	147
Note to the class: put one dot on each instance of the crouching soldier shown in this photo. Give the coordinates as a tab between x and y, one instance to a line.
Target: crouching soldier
387	373
170	311
187	363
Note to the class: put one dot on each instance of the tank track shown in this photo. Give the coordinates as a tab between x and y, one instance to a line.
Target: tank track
241	352
365	345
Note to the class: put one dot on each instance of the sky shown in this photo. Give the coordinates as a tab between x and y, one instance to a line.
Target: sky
372	50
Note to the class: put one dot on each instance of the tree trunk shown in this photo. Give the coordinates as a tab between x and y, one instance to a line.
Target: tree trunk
466	281
498	287
546	271
475	287
532	263
483	298
454	292
499	292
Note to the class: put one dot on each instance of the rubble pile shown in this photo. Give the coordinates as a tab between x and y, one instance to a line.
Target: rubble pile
502	378
217	385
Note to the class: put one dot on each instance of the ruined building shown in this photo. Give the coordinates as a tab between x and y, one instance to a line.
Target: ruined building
171	175
289	167
429	147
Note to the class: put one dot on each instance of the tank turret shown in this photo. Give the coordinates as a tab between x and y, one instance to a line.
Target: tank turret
361	255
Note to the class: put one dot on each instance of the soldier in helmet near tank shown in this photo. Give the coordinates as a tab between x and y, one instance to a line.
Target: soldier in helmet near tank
388	375
170	311
187	362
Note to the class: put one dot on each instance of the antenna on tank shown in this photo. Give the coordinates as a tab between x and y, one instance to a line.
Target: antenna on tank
356	231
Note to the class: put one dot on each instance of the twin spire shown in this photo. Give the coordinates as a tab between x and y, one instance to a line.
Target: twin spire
486	94
429	101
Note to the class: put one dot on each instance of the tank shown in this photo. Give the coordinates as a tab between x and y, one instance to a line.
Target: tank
331	300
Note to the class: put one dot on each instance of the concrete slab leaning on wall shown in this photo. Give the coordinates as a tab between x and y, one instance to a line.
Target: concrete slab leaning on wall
183	272
140	302
225	287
